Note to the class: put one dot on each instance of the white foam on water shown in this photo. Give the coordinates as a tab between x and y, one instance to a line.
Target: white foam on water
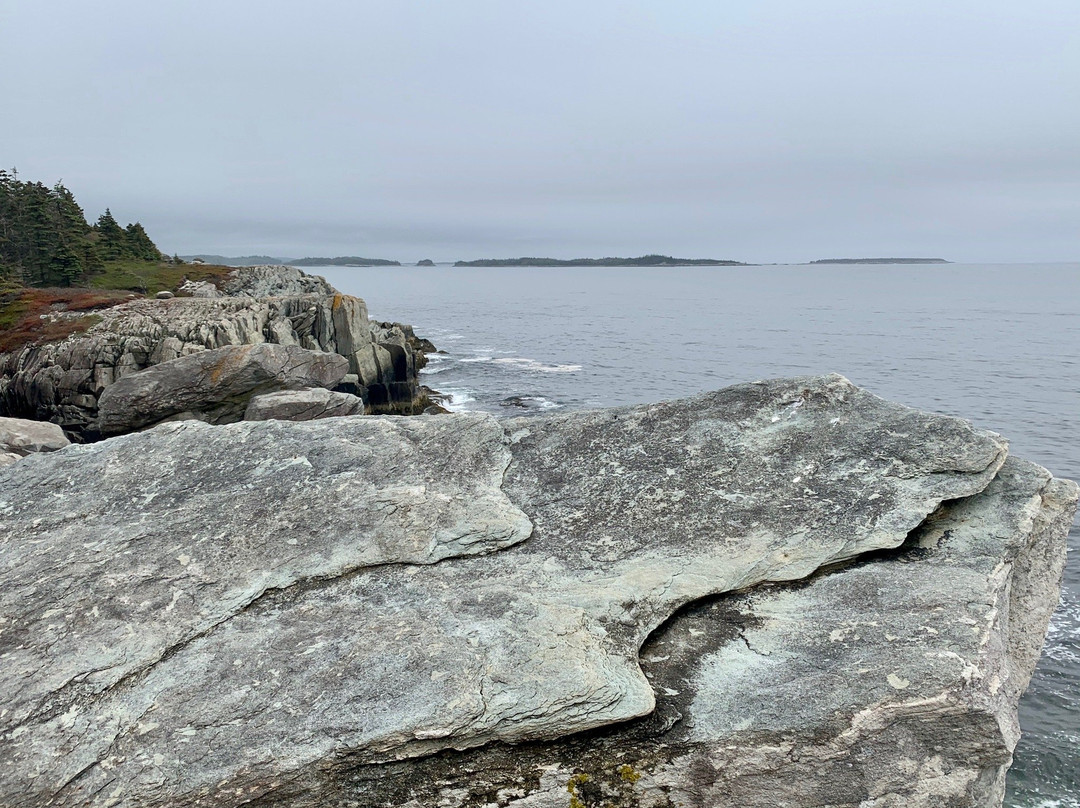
429	371
537	402
458	400
534	365
471	359
546	404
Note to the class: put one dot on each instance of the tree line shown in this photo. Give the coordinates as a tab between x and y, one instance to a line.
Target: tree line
45	239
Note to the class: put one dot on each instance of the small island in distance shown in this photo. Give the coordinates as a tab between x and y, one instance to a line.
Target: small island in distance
343	261
643	261
881	261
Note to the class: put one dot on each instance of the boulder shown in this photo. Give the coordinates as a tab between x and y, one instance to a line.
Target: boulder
783	593
302	405
200	289
20	436
213	386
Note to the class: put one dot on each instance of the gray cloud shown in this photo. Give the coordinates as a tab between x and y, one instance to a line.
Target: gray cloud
768	131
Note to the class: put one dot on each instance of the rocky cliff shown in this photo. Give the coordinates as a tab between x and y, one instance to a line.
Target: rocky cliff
783	593
62	382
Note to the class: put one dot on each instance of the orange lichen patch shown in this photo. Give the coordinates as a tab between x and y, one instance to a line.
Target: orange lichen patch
338	300
37	316
228	363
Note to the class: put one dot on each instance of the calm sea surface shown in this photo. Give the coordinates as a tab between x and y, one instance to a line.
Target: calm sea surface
996	344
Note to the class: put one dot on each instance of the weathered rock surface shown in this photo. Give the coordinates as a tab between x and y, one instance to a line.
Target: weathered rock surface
303	405
251	614
275	281
213	386
20	437
62	382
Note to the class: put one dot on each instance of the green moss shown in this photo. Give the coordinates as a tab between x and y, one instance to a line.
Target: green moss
573	785
613	788
12	311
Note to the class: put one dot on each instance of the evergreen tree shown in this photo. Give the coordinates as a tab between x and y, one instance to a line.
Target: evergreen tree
46	241
112	240
139	244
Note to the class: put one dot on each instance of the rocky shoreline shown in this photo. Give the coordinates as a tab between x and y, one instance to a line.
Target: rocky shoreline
63	382
783	593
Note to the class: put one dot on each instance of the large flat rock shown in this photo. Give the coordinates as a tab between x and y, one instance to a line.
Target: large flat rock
274	613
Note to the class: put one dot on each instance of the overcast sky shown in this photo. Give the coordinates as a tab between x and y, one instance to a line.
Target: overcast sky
775	130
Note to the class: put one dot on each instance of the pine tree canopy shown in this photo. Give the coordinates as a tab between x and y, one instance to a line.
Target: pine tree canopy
45	239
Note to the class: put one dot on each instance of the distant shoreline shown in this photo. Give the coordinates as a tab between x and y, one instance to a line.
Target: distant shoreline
659	261
642	261
881	261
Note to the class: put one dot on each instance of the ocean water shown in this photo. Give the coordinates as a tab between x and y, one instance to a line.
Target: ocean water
996	344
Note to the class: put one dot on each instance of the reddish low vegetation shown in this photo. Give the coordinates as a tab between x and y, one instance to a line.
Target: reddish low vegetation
22	321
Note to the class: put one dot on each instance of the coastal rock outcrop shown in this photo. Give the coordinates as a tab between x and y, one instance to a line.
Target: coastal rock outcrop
787	592
62	382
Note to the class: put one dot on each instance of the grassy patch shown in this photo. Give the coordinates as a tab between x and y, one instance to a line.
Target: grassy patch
37	316
149	278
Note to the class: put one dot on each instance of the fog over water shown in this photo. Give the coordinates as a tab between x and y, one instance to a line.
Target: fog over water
779	131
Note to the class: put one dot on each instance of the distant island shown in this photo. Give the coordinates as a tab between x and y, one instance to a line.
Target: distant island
643	261
235	261
342	261
263	260
882	261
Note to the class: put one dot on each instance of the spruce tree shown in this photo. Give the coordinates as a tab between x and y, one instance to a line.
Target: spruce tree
46	241
112	240
139	244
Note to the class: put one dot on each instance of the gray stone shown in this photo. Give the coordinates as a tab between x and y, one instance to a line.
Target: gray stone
217	384
164	295
302	405
251	614
19	436
275	281
200	289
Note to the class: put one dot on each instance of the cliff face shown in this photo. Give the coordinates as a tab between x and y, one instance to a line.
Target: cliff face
61	382
783	593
